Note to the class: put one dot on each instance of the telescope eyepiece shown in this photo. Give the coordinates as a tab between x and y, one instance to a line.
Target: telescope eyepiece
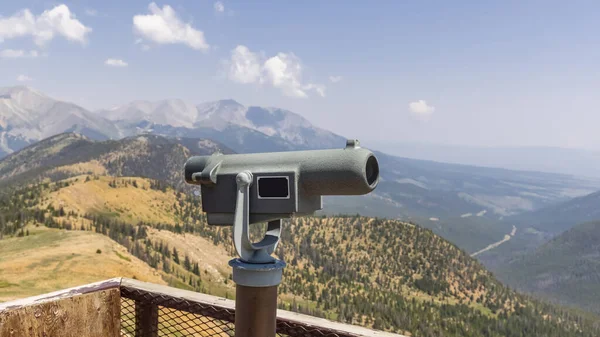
372	171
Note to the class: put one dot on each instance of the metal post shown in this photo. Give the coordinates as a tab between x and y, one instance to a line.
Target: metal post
255	311
146	319
256	273
256	297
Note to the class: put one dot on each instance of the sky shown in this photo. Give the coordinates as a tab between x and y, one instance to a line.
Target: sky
476	73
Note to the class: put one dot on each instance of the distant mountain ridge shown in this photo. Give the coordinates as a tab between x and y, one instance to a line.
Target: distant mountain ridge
175	117
557	218
27	116
566	269
69	154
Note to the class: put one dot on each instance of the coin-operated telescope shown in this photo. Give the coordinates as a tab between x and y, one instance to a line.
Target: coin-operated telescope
242	189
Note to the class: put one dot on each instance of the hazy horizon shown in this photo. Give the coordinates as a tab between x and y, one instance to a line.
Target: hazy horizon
573	161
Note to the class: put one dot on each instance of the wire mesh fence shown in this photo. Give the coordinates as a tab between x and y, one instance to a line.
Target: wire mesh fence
146	314
130	308
149	314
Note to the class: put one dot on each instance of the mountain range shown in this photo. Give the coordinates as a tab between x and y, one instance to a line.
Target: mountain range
465	204
177	117
557	218
541	225
27	116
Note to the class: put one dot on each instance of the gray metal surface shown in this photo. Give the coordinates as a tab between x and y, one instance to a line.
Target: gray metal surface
310	174
257	274
323	172
251	252
212	197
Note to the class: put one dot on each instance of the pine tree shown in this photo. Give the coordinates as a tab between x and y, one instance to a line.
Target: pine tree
187	264
175	255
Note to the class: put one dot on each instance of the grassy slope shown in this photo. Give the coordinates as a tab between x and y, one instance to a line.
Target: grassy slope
133	205
130	205
212	259
52	259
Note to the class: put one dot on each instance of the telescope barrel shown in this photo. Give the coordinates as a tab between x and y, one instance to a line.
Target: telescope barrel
349	171
339	172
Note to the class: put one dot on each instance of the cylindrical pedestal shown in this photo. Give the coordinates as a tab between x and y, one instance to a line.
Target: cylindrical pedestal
255	311
256	297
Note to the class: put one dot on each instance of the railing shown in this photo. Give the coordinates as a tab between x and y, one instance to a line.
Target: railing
129	308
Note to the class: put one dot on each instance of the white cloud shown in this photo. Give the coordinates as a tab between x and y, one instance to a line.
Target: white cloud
91	12
24	78
115	63
421	110
282	71
335	79
245	66
18	53
319	88
219	7
58	21
164	27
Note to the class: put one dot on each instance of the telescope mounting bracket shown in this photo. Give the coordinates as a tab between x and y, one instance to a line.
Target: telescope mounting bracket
259	252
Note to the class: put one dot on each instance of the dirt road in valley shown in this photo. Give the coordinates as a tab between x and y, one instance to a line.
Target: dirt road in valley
496	244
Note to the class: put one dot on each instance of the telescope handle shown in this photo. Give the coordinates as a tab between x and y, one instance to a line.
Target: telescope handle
249	252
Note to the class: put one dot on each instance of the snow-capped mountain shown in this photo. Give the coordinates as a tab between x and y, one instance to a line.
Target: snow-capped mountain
174	112
27	116
236	125
221	114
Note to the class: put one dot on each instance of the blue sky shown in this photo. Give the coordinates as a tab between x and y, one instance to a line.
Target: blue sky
482	73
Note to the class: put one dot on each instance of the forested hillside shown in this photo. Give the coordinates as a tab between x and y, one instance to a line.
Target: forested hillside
378	273
70	154
566	269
